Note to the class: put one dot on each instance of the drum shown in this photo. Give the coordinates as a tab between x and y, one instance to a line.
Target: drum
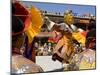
85	60
21	64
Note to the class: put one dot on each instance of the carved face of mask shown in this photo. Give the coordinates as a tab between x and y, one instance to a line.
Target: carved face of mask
68	19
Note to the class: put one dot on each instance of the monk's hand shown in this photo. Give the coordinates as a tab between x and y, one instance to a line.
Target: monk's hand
46	20
48	23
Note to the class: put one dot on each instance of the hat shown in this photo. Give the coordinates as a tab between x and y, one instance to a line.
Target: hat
19	16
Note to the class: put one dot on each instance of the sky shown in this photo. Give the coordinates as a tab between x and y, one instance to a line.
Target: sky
54	7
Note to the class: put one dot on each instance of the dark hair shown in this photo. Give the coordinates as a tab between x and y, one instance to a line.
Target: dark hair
92	24
91	35
17	24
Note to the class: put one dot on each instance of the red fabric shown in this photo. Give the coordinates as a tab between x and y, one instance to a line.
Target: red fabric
27	22
56	38
20	9
84	33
